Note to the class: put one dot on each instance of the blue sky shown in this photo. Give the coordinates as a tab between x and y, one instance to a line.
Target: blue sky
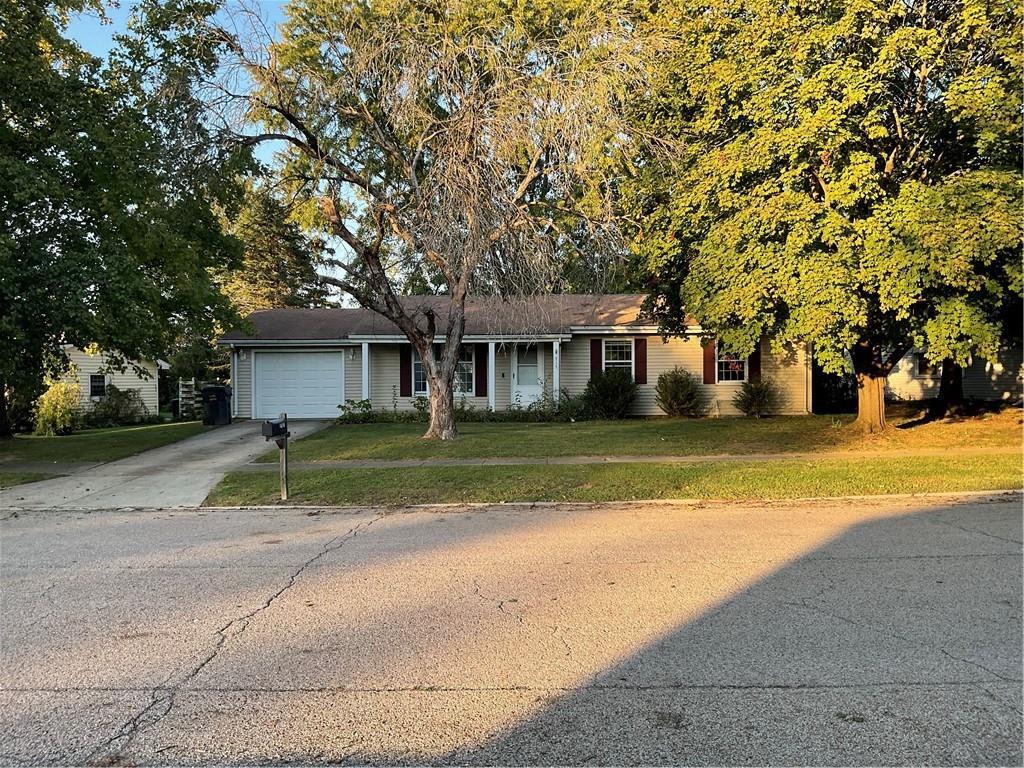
97	37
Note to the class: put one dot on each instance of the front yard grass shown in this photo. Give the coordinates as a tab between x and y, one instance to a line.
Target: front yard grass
623	482
95	445
657	437
7	479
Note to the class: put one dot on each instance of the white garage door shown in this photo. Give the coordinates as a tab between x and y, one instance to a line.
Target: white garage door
301	384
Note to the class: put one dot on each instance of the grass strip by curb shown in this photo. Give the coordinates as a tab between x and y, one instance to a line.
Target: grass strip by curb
624	482
8	479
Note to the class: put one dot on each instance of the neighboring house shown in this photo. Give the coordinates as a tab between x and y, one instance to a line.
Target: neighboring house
93	378
306	362
915	378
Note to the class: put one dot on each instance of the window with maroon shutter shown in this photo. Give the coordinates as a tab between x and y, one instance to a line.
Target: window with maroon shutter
709	361
405	370
640	360
596	357
730	366
754	364
481	370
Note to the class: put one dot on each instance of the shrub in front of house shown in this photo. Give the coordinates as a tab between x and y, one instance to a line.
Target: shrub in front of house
57	410
610	394
678	393
117	408
757	398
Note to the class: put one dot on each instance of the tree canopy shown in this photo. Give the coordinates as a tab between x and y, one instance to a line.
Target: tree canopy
449	145
109	188
279	261
849	175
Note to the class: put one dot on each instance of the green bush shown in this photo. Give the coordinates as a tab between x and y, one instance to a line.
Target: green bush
757	398
117	407
58	409
678	393
610	394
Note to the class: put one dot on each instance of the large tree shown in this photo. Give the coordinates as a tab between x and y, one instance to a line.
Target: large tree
849	176
279	261
108	185
456	142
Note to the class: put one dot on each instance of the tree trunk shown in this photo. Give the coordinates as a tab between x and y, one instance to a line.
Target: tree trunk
951	392
870	403
442	410
6	427
872	366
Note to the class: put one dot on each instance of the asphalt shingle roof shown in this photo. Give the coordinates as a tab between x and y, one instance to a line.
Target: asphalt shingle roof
485	316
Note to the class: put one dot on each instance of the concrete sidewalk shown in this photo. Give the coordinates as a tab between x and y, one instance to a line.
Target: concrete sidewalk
516	461
177	475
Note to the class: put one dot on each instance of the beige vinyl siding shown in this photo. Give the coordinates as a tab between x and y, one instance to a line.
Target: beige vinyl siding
385	384
86	365
983	379
354	373
789	372
241	387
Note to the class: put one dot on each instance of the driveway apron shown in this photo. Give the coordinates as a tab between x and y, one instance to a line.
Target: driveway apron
176	475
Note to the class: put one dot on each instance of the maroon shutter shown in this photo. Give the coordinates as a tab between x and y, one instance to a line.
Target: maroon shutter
480	374
405	370
709	361
754	364
640	360
596	355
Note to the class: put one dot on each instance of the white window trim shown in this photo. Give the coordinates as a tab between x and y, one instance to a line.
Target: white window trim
746	367
106	380
632	354
426	383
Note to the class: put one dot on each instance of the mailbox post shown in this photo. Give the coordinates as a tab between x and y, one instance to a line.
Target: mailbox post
277	430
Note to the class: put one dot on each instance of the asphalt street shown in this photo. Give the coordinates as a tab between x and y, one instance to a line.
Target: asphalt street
825	633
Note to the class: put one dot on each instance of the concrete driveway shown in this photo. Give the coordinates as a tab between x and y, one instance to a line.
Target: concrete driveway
175	475
866	632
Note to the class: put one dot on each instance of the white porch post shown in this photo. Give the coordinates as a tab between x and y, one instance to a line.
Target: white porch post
556	365
366	370
490	375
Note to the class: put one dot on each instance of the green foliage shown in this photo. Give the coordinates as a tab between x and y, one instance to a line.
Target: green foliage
57	409
678	393
546	409
117	407
107	229
757	398
278	267
848	174
610	394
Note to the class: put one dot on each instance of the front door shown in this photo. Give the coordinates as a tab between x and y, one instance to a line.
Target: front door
527	374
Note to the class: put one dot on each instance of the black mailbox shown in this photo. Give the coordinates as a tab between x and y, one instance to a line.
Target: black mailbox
275	428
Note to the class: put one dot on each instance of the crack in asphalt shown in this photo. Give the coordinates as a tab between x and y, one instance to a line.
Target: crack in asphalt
540	689
163	695
976	684
554	628
974	530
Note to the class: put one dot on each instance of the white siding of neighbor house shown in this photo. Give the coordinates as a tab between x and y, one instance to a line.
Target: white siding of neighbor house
789	372
983	379
85	365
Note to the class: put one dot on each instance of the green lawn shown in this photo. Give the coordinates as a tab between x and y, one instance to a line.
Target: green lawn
656	437
96	444
621	482
7	479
